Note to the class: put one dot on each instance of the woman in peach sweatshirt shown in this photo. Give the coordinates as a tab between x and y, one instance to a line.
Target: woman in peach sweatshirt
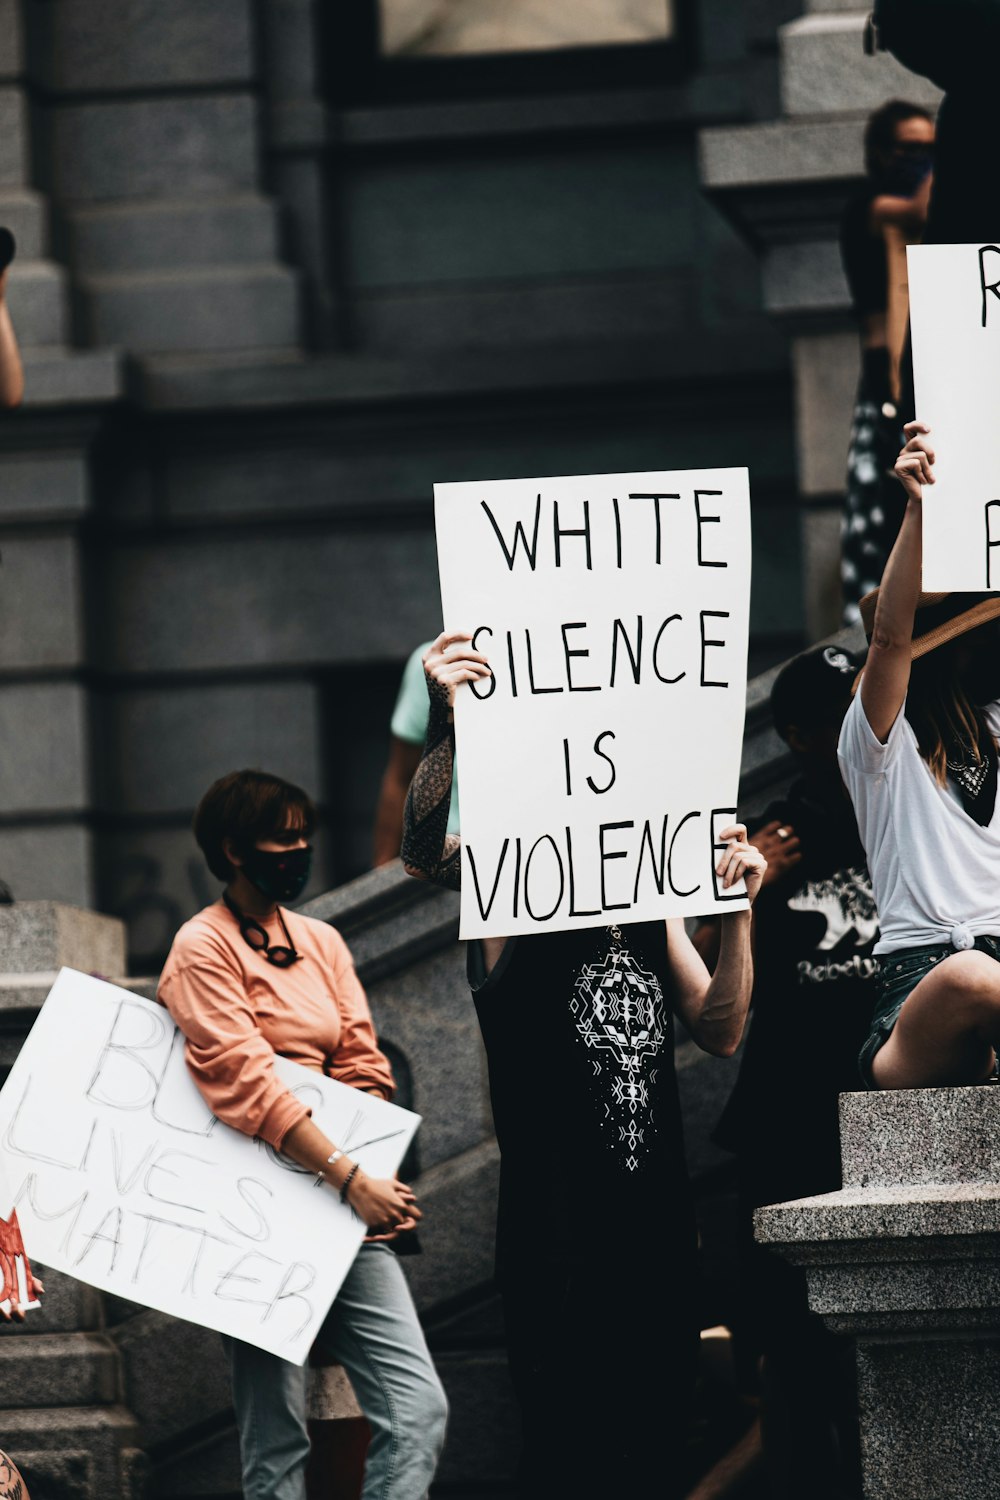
245	981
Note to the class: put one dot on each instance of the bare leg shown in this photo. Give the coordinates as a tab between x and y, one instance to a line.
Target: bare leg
947	1028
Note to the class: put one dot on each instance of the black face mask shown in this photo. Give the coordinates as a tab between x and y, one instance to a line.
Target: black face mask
281	875
907	173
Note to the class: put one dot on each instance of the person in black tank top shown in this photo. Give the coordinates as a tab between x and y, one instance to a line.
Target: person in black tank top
596	1253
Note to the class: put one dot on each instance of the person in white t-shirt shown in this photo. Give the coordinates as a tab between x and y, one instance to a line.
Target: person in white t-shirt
918	750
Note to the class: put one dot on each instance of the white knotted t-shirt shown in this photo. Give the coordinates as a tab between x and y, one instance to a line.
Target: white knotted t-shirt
933	868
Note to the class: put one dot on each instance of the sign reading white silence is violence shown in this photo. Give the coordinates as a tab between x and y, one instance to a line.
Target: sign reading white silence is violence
955	323
122	1177
601	763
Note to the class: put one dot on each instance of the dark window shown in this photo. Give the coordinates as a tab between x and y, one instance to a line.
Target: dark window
396	51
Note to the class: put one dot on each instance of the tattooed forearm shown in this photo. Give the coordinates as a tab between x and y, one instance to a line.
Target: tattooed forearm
429	850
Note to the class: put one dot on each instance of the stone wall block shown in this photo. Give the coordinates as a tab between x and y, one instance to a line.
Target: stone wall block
12	33
122	45
49	861
825	70
40	602
43	486
237	308
45	936
13	138
164	747
161	147
282	603
44	734
171	233
39	304
24	213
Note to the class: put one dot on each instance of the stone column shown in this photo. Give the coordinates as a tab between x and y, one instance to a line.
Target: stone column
784	183
906	1259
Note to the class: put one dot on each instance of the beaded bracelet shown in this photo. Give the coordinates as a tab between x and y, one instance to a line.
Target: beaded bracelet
347	1182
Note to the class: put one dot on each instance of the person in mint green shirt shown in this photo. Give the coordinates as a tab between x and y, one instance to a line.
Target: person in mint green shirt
408	731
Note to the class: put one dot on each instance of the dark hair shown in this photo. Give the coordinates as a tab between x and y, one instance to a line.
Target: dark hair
246	806
939	711
880	132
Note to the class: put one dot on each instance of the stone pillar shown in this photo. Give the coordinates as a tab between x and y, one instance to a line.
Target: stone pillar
784	183
147	144
906	1260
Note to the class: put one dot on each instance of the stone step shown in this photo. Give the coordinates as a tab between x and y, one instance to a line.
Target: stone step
235	307
58	1370
23	213
483	1425
39	304
68	1306
76	1453
166	234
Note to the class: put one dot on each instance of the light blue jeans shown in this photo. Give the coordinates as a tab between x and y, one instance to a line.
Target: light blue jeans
372	1330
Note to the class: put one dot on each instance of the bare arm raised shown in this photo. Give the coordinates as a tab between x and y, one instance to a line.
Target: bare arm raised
714	1007
887	672
429	851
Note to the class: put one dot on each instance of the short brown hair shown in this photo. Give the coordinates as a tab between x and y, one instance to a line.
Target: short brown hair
245	806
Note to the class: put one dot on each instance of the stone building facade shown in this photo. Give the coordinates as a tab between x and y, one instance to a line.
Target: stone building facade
270	288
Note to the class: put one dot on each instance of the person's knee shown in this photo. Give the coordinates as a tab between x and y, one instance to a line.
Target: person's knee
430	1416
974	983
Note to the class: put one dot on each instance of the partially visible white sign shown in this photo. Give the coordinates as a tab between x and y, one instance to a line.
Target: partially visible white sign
600	766
122	1177
955	322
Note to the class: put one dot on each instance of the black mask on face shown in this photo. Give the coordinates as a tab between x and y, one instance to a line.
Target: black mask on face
281	875
906	173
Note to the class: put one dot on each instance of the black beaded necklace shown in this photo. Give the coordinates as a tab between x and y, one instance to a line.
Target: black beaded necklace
257	937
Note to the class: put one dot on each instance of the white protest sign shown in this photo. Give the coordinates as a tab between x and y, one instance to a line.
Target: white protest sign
122	1177
600	765
955	324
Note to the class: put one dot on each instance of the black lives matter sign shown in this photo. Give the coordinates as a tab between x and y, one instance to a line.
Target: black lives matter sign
600	763
955	321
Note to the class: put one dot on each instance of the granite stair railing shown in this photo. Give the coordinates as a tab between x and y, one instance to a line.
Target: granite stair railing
906	1260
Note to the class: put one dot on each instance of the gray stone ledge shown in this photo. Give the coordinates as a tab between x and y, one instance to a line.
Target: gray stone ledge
63	377
927	1211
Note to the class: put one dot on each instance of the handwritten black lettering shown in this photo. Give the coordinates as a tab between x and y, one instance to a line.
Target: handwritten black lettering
558	532
656	650
606	856
576	687
988	286
520	536
546	838
475	686
706	642
608	734
634	657
992	540
484	911
689	817
704	562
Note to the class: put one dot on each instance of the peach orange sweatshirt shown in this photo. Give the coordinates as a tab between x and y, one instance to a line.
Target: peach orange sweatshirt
237	1011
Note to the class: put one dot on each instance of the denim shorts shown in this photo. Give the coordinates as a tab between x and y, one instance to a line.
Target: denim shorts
898	976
